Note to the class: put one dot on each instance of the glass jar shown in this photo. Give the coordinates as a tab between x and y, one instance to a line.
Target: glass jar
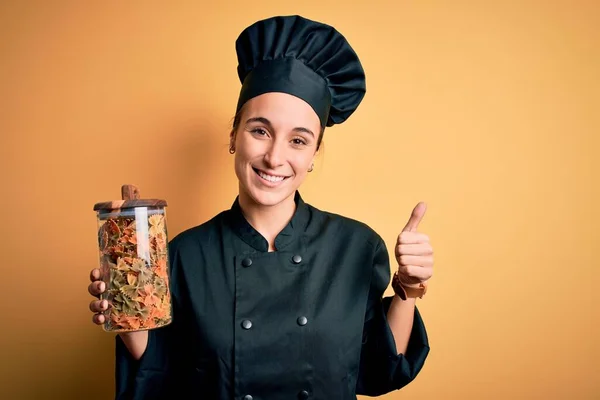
134	262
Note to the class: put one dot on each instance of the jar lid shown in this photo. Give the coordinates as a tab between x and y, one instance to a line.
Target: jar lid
130	199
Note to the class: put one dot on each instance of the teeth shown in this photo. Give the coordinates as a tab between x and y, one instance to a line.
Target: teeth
270	178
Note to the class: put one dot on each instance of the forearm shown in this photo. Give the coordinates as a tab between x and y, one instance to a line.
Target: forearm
400	318
136	343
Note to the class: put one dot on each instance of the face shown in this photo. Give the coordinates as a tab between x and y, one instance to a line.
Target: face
275	142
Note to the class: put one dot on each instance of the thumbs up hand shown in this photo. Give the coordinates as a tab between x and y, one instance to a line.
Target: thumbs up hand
414	255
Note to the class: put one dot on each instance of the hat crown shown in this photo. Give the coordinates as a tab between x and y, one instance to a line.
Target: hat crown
333	71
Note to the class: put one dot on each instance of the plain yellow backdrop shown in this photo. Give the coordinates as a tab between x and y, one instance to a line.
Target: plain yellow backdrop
485	110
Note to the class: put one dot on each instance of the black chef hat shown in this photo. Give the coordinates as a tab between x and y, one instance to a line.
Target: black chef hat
304	58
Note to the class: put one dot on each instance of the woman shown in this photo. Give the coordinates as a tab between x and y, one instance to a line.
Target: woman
273	298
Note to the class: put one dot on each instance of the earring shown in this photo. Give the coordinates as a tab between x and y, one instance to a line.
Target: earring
311	167
231	149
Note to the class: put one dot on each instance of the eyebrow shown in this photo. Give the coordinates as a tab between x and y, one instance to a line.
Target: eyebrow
265	121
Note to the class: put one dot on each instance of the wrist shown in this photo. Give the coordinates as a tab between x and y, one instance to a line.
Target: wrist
408	291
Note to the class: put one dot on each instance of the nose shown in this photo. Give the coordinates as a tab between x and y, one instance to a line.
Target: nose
275	155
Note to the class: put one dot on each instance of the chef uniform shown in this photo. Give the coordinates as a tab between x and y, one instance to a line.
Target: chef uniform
306	321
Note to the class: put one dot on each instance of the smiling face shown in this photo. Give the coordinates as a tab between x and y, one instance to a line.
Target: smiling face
275	142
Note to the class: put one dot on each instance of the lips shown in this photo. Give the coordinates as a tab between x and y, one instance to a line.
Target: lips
271	178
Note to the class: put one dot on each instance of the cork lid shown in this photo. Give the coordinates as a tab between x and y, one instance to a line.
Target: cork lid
130	199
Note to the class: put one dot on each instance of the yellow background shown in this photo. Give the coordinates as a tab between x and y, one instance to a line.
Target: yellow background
486	110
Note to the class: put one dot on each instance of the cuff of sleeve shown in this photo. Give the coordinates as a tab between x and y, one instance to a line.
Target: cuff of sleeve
407	365
127	368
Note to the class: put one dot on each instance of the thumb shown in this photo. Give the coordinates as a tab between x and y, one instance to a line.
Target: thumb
415	218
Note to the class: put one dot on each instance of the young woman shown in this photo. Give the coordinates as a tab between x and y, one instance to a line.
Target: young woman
274	298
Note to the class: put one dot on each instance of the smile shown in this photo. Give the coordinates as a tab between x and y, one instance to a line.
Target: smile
269	178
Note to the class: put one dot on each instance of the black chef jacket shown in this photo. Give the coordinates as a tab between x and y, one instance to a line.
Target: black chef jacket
307	321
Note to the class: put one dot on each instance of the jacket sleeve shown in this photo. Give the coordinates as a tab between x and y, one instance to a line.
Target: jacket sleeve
157	374
151	376
382	369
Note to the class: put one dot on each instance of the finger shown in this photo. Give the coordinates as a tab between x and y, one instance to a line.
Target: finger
95	274
415	218
406	237
98	319
96	288
423	261
415	273
418	249
98	306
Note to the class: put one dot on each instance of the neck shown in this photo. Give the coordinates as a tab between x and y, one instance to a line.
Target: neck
267	220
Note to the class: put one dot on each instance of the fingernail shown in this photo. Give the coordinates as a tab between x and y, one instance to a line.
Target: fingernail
101	286
104	304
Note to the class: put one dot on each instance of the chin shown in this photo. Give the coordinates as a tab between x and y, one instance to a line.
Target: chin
268	198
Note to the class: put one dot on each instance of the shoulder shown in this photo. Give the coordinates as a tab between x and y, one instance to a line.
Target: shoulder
344	226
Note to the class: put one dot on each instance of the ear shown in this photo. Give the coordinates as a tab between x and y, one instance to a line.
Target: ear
314	157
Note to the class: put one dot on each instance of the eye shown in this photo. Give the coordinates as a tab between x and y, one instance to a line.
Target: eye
298	141
259	131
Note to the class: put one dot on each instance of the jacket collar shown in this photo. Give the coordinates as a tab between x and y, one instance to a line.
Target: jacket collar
252	237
